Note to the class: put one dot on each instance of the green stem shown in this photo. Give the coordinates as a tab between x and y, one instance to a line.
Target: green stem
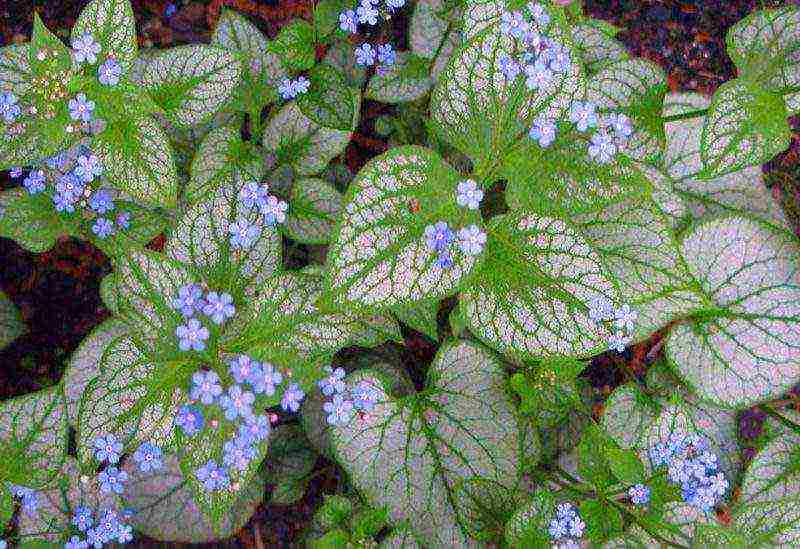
684	116
255	124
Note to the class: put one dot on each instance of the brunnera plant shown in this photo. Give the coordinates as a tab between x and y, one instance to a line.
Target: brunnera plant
558	195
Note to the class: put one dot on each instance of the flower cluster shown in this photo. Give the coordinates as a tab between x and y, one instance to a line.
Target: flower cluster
610	130
346	401
28	497
98	527
217	307
639	494
290	89
367	14
693	467
567	526
252	378
255	196
623	319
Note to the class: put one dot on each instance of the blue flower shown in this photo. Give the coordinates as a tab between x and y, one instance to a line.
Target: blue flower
340	411
292	398
82	518
253	194
286	89
514	23
205	387
602	148
30	502
444	260
124	533
85	49
124	220
15	172
621	124
509	67
639	494
243	368
237	403
192	335
243	233
348	21
367	14
112	480
212	476
468	195
395	4
108	525
219	307
190	298
273	210
365	54
81	108
543	130
386	55
558	58
88	168
365	396
170	10
471	240
103	228
189	419
618	341
266	379
75	543
107	448
57	161
238	453
538	76
538	12
34	182
301	85
64	203
3	544
333	382
148	456
95	537
583	115
70	186
255	428
625	318
9	107
102	201
439	236
109	72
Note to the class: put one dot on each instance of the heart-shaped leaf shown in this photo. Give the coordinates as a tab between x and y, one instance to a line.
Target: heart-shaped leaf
741	191
112	25
330	101
295	45
535	289
48	54
212	162
298	141
33	437
30	220
340	55
193	82
202	240
746	126
166	510
636	88
138	160
771	523
764	47
530	522
133	397
379	256
774	473
11	323
595	47
315	206
627	415
84	364
399	83
747	348
409	455
433	35
481	112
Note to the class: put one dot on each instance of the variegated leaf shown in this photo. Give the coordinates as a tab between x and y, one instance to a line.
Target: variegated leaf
530	522
481	112
636	88
765	47
84	364
596	48
30	220
33	437
746	126
133	398
193	82
202	240
298	141
774	473
535	289
212	162
315	206
166	510
627	415
434	35
421	317
108	293
379	256
741	191
330	102
112	25
11	324
398	83
747	348
409	455
15	69
771	523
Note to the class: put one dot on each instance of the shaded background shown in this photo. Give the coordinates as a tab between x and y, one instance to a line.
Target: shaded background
57	292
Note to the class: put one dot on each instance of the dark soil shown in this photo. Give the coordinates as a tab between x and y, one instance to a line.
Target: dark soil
57	292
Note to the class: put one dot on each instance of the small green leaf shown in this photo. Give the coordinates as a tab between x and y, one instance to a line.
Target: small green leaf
593	463
625	465
422	317
6	504
746	126
627	415
330	101
335	539
11	323
295	45
111	23
30	220
48	54
326	17
367	523
529	524
314	208
399	83
191	83
602	520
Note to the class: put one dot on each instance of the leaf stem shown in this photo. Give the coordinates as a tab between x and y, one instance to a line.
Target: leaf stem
684	116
